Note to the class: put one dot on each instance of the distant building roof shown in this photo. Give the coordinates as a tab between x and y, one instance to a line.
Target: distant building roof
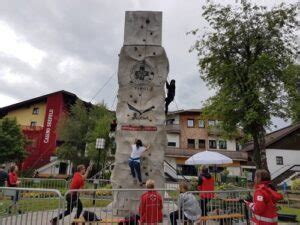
6	109
181	111
274	136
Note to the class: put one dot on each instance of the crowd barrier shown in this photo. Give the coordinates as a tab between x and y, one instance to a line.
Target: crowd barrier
40	206
47	183
29	206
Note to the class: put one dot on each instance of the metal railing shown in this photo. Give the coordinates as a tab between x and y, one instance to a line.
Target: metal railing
222	207
40	206
24	206
60	184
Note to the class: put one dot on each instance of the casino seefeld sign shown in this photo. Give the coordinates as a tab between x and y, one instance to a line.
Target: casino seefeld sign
48	126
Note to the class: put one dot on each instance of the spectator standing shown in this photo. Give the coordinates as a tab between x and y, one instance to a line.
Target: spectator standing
13	181
264	201
205	183
3	176
151	206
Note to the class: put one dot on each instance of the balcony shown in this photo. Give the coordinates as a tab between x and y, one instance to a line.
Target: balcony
185	153
31	128
173	128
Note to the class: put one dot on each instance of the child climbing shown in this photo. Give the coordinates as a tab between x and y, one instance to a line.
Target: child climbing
170	94
134	161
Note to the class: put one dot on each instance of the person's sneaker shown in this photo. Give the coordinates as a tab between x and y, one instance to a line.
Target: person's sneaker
142	184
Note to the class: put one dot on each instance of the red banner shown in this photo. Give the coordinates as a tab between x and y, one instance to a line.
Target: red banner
138	128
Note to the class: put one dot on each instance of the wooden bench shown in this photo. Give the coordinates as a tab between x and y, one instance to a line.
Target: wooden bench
81	221
203	219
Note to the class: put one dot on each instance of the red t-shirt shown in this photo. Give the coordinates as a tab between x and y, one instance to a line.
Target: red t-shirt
151	208
77	181
12	179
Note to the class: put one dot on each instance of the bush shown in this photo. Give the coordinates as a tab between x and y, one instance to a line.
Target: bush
296	185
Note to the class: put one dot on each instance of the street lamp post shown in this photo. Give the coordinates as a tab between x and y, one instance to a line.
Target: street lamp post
100	144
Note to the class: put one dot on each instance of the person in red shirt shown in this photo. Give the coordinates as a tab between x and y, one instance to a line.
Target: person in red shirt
264	200
151	206
13	181
73	197
205	183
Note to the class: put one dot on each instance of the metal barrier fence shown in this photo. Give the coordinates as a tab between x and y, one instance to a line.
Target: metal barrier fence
59	184
62	184
29	206
40	206
218	207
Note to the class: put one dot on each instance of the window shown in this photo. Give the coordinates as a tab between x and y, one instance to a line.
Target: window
212	144
170	121
201	143
201	123
172	144
211	122
279	160
222	144
191	143
186	170
190	123
35	111
33	123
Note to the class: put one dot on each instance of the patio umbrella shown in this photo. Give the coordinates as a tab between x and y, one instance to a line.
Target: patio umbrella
208	158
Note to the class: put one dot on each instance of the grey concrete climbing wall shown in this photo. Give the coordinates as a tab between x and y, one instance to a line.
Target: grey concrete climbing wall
143	70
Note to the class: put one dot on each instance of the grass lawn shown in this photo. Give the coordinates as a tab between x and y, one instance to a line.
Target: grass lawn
33	205
287	210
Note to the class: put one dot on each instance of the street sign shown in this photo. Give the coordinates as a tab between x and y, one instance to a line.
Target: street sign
100	143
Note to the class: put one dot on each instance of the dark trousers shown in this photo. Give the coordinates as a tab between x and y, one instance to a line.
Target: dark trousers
174	216
72	201
203	205
135	168
168	100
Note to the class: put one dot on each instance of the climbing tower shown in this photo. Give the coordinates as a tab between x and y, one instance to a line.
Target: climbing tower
142	73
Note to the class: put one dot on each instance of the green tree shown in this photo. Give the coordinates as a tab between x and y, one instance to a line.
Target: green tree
244	57
73	131
12	141
295	92
79	131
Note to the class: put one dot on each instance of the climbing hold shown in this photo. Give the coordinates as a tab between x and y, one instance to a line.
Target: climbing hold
149	154
151	33
142	27
135	48
135	101
150	170
147	174
147	21
154	53
144	40
120	186
130	96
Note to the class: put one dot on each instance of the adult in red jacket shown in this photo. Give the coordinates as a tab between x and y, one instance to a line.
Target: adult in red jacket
13	181
264	200
151	206
205	183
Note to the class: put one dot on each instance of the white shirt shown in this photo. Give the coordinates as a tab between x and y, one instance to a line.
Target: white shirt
137	152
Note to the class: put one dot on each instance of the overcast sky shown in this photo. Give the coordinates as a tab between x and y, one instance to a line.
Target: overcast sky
73	45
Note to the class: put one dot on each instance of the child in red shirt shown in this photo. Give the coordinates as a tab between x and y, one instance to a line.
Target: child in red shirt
151	206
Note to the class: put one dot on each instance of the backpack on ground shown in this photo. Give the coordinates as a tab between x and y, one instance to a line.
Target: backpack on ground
90	216
132	219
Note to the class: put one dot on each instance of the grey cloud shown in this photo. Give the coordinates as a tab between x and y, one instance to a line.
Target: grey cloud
91	33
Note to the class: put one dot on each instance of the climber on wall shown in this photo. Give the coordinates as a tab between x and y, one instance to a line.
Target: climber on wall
134	161
170	94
